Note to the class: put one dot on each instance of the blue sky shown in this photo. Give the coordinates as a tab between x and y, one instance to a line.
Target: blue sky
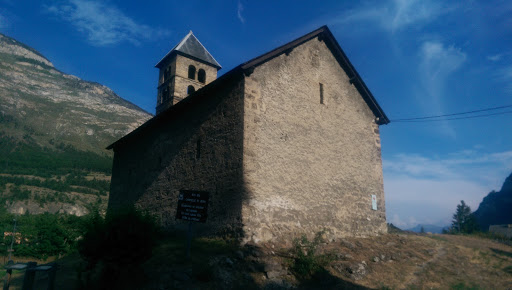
419	58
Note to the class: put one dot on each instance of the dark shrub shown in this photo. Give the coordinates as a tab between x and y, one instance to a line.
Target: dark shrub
123	237
120	243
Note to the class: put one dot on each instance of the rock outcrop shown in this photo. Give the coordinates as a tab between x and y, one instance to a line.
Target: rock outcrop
495	207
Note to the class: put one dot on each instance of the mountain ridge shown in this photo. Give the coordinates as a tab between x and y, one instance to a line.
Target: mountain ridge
50	103
495	208
54	128
428	228
12	46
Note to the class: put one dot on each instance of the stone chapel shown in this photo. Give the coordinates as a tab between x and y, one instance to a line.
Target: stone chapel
285	144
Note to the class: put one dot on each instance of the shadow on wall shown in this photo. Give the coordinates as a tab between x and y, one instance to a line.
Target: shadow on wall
195	145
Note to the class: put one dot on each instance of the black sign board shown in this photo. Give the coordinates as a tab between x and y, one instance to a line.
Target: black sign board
192	206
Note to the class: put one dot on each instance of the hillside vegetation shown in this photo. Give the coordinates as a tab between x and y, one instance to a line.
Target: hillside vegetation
50	107
54	128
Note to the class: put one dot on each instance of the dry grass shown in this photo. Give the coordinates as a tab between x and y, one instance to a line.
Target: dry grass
405	261
436	261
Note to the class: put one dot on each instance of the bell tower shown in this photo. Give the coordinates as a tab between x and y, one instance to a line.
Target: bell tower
184	70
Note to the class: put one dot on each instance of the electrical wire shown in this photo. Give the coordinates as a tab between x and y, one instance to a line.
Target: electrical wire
454	114
458	118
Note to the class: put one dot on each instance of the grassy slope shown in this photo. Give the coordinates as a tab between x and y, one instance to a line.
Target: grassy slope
420	262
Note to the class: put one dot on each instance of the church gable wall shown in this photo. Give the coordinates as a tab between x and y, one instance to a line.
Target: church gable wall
309	163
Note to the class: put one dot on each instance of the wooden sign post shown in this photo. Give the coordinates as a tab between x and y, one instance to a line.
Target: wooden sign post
192	207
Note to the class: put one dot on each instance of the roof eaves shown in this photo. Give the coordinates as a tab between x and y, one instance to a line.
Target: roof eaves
180	106
216	64
354	76
196	59
282	49
163	58
356	79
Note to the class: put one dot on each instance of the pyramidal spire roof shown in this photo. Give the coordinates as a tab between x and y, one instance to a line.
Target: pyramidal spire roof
190	46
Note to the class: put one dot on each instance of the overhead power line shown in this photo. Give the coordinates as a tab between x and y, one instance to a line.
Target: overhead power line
444	117
458	118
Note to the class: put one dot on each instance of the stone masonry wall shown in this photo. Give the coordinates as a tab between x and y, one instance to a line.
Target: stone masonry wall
168	63
277	162
504	230
178	82
150	171
309	166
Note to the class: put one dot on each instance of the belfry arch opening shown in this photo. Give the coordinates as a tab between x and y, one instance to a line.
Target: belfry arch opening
190	90
201	76
192	72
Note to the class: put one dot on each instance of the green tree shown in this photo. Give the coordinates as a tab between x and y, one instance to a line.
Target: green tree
463	220
422	230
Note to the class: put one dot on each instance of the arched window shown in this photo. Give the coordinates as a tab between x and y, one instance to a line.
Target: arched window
191	72
190	90
201	75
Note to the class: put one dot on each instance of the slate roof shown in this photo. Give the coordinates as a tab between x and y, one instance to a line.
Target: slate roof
190	46
247	68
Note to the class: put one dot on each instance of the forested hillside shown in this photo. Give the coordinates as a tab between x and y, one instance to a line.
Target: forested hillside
54	128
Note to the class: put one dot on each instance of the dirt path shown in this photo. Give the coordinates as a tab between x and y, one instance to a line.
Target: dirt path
412	277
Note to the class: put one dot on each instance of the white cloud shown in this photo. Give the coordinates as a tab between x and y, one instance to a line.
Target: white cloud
397	14
103	24
240	9
437	63
495	57
421	189
447	58
409	12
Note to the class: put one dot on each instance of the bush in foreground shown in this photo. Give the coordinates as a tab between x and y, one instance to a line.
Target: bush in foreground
119	242
307	261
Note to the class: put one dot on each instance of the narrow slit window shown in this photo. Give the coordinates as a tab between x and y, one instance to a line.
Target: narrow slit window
198	149
321	93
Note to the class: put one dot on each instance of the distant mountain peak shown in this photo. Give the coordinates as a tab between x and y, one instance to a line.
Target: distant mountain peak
495	207
428	228
507	185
